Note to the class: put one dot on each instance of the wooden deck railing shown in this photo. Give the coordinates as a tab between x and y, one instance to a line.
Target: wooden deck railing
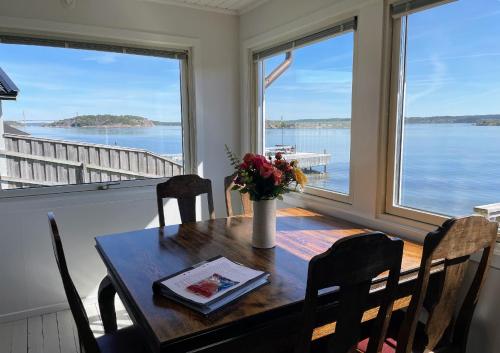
491	211
39	161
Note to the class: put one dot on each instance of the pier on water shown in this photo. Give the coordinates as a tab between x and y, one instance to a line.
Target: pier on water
306	160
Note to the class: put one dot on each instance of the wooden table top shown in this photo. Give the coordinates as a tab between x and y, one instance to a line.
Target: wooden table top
136	259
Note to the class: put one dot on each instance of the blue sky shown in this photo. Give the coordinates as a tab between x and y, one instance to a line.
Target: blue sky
453	69
57	83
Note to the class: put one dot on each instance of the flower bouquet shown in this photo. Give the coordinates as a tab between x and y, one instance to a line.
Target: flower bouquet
265	180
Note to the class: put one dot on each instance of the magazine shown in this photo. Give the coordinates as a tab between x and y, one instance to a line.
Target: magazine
210	285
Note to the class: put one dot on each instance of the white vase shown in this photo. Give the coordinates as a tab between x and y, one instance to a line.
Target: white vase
264	224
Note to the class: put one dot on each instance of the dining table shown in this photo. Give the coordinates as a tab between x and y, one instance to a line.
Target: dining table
264	320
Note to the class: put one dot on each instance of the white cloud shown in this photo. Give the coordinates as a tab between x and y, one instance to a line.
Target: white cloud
102	58
435	81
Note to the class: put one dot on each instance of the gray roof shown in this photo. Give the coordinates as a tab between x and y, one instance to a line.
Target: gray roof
8	90
7	129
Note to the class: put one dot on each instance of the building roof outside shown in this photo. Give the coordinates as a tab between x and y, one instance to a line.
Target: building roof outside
7	129
8	90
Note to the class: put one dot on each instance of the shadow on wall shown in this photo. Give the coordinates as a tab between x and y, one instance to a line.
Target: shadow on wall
29	279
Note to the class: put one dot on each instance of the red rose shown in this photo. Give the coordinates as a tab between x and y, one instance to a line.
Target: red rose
278	156
279	163
248	158
243	165
258	161
266	170
277	174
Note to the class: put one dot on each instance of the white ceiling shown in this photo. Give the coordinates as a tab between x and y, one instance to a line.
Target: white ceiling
226	6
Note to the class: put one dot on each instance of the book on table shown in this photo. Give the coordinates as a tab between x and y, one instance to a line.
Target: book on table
210	285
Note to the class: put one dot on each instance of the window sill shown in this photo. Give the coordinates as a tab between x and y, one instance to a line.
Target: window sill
406	228
9	194
399	226
329	195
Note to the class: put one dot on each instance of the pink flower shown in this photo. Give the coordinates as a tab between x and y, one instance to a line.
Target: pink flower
277	174
266	170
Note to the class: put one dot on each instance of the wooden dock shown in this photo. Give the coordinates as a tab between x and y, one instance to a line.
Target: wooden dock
308	160
33	161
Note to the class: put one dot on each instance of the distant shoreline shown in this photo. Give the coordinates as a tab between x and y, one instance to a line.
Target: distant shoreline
101	126
111	122
343	123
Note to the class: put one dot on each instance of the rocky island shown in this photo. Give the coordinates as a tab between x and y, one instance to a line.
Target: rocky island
108	121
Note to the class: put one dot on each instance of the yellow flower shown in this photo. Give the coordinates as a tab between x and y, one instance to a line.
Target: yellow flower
300	177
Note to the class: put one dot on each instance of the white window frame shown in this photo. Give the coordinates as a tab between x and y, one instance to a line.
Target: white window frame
257	115
396	104
188	122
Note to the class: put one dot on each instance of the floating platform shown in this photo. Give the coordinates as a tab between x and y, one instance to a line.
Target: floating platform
308	160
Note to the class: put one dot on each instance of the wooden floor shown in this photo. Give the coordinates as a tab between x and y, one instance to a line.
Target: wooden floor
54	332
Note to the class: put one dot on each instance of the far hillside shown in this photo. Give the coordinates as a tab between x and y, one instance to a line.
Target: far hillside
343	123
493	119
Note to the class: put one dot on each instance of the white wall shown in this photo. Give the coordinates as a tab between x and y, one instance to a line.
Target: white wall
279	20
29	281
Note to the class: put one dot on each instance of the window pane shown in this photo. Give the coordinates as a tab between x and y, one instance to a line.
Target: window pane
308	110
451	129
88	116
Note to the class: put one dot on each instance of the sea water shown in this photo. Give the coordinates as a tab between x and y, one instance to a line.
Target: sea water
446	168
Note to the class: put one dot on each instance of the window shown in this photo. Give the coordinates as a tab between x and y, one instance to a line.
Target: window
89	113
305	105
445	111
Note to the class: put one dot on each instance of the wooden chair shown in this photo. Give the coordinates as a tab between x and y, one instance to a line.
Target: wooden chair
351	264
184	188
126	340
245	198
444	330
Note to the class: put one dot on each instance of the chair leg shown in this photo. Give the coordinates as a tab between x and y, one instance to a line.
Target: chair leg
106	299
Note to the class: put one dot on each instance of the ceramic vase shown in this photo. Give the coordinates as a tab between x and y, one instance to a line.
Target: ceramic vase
264	224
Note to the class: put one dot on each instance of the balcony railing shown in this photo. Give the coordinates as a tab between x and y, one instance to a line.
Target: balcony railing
491	211
32	161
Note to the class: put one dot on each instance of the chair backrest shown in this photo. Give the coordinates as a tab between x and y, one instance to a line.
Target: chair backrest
351	264
453	242
88	343
184	188
245	198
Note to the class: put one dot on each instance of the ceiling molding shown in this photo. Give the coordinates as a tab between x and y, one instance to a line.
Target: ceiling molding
209	8
252	6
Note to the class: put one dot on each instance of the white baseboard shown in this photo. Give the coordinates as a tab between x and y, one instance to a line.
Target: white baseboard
24	314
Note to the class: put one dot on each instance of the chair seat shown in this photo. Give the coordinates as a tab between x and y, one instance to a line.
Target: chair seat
126	340
388	347
391	343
